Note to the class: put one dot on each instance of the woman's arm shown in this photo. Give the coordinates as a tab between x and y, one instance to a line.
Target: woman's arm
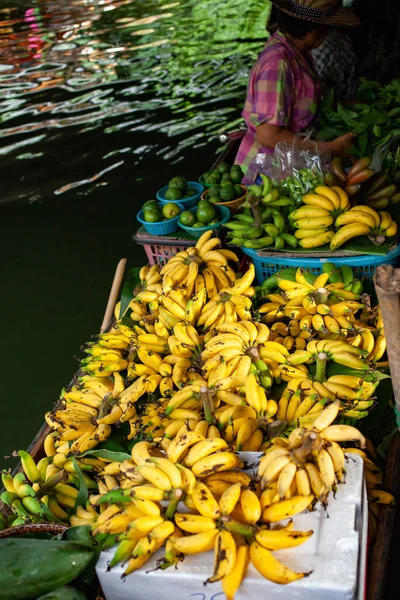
270	135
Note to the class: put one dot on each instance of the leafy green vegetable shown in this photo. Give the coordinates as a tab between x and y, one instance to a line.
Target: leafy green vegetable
375	118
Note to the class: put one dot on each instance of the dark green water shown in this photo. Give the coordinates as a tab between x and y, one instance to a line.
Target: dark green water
100	104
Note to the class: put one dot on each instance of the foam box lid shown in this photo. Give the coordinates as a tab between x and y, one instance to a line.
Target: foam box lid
335	554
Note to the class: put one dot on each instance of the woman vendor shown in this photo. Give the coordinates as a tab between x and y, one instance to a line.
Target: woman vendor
283	91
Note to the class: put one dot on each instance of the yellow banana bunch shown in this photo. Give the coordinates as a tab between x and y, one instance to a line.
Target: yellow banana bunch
203	267
314	220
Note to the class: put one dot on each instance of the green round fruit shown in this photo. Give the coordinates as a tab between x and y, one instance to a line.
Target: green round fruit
214	222
205	213
152	216
170	210
226	177
198	224
150	205
223	167
187	218
239	191
173	193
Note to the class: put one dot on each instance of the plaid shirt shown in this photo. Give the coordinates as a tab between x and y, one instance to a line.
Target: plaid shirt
283	90
336	61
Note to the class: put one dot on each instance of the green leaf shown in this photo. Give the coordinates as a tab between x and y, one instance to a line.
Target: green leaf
80	534
362	143
113	456
347	114
64	593
131	282
83	493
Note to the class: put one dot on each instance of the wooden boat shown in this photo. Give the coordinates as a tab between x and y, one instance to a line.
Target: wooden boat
381	549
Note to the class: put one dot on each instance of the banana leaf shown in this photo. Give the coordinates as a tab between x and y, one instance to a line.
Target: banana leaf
360	245
83	493
112	455
131	282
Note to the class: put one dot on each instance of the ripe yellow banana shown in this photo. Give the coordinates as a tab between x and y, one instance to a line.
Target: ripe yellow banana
270	568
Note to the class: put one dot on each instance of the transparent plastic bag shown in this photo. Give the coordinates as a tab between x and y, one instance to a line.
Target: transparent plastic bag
296	170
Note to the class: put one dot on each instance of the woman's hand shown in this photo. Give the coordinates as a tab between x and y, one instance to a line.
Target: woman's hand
342	143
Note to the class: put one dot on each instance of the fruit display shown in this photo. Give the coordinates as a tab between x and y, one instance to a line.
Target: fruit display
325	216
200	367
375	189
224	192
153	212
205	214
223	176
179	189
304	181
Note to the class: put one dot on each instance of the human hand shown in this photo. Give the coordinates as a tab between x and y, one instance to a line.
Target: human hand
342	143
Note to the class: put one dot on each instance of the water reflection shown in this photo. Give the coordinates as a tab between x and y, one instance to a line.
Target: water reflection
122	68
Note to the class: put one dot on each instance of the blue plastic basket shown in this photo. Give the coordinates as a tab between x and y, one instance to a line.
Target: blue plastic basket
187	202
196	232
363	265
162	227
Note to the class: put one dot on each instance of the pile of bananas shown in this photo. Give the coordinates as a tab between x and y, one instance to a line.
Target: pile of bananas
313	221
187	376
315	308
363	220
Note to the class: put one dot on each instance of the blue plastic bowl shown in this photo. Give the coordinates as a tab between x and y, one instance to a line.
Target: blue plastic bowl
187	202
196	232
163	227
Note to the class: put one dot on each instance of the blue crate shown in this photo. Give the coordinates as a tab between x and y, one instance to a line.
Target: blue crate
162	227
363	265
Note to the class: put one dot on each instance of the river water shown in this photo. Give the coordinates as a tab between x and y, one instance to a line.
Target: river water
101	103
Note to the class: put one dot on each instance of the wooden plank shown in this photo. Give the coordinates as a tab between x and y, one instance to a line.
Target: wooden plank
382	547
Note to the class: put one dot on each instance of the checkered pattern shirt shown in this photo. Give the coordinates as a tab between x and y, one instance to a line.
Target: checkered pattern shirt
335	62
283	90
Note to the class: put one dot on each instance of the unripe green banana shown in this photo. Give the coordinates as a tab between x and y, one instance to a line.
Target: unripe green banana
29	466
271	230
260	243
26	490
8	498
19	509
253	233
289	239
279	221
347	274
32	505
18	480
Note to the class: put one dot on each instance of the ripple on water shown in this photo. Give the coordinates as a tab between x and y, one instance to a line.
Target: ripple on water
84	68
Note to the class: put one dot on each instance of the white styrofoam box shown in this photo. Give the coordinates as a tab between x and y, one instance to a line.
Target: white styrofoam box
335	554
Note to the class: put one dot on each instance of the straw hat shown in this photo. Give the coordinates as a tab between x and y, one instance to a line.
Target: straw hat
323	12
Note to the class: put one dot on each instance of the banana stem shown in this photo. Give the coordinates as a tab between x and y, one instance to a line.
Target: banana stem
247	531
255	357
173	503
52	482
320	374
105	405
208	405
322	296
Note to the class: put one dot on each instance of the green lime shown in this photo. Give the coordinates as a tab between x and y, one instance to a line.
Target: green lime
198	224
187	218
150	205
152	216
205	213
170	210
